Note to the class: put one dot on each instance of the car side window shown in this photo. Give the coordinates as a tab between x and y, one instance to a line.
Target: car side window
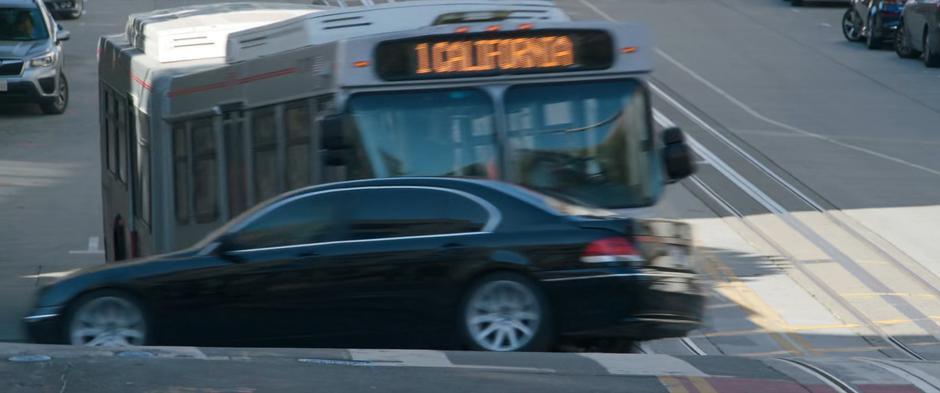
312	219
398	212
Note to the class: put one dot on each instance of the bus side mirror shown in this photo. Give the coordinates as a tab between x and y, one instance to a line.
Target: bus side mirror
677	156
333	139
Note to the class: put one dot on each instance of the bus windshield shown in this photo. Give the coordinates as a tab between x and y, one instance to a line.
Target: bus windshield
424	133
587	141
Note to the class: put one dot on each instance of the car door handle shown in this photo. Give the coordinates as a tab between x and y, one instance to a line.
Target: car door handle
307	255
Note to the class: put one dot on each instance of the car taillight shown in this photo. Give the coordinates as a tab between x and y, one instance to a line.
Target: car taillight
611	249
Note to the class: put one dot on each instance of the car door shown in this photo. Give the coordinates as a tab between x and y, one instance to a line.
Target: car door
266	290
389	284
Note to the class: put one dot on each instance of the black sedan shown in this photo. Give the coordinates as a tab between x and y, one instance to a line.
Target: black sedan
393	263
919	34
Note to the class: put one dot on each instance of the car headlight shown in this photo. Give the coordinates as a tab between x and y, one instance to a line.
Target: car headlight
45	60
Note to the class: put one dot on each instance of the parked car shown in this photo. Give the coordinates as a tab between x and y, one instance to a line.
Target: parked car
919	32
31	59
393	263
872	21
68	9
800	3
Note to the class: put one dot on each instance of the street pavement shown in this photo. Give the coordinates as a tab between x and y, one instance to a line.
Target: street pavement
854	131
211	370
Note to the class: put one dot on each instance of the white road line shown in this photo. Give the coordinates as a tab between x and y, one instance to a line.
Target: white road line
425	358
760	116
93	247
643	364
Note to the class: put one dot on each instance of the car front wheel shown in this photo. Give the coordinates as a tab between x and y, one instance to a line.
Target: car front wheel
107	319
851	28
506	312
931	56
902	44
57	105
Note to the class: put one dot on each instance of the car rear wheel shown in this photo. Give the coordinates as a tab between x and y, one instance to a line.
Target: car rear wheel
107	319
871	40
851	28
931	57
506	312
902	44
57	105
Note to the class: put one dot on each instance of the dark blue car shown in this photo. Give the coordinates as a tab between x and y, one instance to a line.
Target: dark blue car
874	21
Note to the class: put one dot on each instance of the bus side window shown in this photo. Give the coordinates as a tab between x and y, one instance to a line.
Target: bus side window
181	173
297	124
106	125
142	171
235	163
264	150
121	139
205	171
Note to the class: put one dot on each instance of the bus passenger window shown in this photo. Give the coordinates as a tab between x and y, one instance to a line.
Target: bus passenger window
121	139
235	164
181	172
142	171
297	123
205	171
264	146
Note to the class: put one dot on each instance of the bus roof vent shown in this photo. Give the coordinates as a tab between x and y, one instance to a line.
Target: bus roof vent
354	18
201	31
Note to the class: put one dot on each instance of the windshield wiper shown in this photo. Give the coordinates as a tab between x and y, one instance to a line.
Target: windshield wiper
587	127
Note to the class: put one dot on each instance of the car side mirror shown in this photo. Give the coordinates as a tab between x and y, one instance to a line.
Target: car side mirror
333	139
677	156
62	34
224	244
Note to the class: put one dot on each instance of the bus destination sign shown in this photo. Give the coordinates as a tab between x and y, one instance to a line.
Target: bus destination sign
493	54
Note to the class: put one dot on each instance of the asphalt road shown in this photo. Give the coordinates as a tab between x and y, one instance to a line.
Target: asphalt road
817	200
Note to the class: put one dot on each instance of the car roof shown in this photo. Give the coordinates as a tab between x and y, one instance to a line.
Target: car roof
19	3
443	182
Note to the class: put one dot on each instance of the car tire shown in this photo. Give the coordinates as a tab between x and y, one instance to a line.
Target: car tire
871	41
902	44
850	26
505	312
60	103
106	318
931	57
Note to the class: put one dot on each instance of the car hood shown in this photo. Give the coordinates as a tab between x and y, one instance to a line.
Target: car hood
22	49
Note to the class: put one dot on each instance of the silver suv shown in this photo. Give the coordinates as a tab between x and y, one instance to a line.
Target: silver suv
31	56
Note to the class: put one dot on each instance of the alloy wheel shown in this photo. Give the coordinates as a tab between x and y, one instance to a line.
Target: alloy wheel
503	315
850	26
108	321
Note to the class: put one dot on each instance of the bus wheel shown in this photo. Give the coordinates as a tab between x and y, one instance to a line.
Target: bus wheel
107	318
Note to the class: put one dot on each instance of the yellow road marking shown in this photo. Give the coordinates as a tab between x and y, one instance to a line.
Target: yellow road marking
800	328
702	385
673	385
762	315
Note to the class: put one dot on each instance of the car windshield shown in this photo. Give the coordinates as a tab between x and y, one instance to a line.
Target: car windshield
22	24
589	141
425	133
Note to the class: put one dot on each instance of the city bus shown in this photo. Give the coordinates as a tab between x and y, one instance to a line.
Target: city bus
209	110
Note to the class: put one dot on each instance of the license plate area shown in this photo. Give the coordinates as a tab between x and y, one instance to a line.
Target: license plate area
3	85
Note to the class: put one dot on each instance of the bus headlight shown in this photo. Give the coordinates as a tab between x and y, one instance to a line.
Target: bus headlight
45	60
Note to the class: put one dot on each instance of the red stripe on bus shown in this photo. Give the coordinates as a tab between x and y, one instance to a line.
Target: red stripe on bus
240	81
140	81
